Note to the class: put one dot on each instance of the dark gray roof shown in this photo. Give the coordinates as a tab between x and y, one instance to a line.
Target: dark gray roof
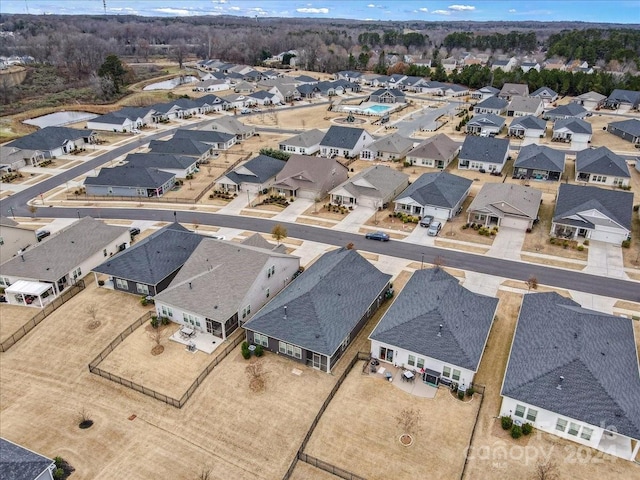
133	112
573	199
306	79
574	124
543	91
261	95
341	137
440	189
487	119
624	96
568	110
179	146
484	149
593	351
489	89
324	303
49	138
308	138
257	170
540	157
307	88
432	298
493	103
111	119
203	136
529	121
630	126
153	258
130	176
18	463
393	91
159	160
601	161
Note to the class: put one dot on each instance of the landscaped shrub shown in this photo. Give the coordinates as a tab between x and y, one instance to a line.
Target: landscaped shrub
516	431
506	422
100	283
580	248
636	207
586	242
246	353
165	320
626	244
552	241
527	428
470	391
465	226
58	474
460	394
259	351
154	321
144	301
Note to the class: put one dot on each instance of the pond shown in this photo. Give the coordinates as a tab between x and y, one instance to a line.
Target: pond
170	84
60	118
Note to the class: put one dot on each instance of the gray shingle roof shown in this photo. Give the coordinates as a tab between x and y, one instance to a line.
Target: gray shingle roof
487	119
493	103
257	240
484	149
593	351
257	170
111	119
439	189
573	124
489	89
514	89
49	138
438	147
231	125
305	139
573	199
153	258
432	298
18	463
568	110
130	176
392	143
160	160
377	181
179	146
52	259
524	104
393	91
625	96
312	173
507	199
341	137
324	303
630	126
529	121
204	136
601	161
540	157
543	91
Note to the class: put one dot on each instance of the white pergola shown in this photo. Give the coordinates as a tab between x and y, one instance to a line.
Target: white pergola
34	294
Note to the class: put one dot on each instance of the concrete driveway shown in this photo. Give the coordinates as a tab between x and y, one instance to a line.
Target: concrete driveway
352	222
290	214
238	203
507	244
605	259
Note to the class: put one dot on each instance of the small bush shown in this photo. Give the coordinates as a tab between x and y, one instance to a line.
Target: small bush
100	283
465	226
586	242
165	320
58	474
246	353
460	394
506	422
626	244
580	248
470	391
144	301
527	428
259	351
552	241
155	322
516	431
636	207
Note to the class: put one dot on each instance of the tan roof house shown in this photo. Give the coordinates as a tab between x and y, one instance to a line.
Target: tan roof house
436	152
505	205
309	177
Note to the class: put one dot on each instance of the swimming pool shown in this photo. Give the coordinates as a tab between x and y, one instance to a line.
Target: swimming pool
368	109
377	108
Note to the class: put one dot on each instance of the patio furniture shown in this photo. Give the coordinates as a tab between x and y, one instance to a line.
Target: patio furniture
388	376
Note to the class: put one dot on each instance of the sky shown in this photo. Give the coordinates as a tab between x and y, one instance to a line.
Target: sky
623	11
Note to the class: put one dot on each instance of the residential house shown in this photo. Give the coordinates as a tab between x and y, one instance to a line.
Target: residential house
485	125
349	76
529	127
483	154
522	106
493	105
20	463
436	152
13	159
554	64
510	90
592	213
374	187
603	167
317	316
264	98
165	112
439	194
215	140
130	181
573	372
54	141
244	88
505	205
213	103
149	266
453	90
212	85
484	93
284	89
505	65
574	130
539	162
223	284
41	273
253	176
14	238
123	120
590	100
238	101
392	95
179	165
449	64
346	142
305	143
392	147
309	177
547	95
565	111
228	124
626	129
526	66
182	147
308	91
306	79
623	100
437	328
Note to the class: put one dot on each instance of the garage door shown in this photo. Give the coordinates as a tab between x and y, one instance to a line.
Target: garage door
511	222
609	237
439	213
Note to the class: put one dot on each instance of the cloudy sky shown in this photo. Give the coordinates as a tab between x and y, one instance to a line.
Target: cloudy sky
625	11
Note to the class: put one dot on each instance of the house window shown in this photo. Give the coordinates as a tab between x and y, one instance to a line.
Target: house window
456	375
618	181
532	415
122	284
142	288
77	273
520	411
290	350
167	312
141	192
260	339
574	428
246	311
599	178
446	372
412	360
586	433
420	363
561	425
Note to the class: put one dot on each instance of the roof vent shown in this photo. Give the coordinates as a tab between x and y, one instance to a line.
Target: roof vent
440	330
559	387
190	287
285	312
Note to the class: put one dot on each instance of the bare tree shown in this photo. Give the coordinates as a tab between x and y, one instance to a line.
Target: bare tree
205	473
546	471
84	418
92	311
257	376
157	336
408	420
438	262
179	52
278	233
532	283
33	209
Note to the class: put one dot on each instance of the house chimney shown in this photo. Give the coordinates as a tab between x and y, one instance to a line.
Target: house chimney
559	387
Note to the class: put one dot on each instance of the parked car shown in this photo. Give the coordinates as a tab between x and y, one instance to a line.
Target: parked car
244	111
42	234
133	231
434	228
381	236
426	221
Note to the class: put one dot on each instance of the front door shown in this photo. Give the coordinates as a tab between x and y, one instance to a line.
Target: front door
386	354
317	361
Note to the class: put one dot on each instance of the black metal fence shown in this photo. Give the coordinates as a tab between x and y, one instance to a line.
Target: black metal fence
56	303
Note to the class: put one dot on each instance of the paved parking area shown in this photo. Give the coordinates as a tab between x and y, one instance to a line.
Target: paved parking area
352	222
508	243
605	259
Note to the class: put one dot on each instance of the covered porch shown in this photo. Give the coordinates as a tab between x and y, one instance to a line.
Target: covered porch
28	293
619	445
569	231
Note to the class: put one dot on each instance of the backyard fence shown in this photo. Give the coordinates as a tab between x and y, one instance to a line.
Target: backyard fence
479	389
300	455
93	366
114	198
42	314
